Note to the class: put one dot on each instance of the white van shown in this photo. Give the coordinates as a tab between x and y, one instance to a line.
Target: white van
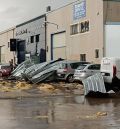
110	69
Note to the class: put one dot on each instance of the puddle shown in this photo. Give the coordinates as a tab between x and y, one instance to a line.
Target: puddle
65	112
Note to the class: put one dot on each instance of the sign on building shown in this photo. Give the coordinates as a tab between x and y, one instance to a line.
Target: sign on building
79	10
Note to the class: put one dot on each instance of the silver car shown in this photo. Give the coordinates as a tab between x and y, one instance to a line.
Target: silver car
67	68
86	70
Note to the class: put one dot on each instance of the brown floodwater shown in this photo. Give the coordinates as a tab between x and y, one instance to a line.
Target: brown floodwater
60	112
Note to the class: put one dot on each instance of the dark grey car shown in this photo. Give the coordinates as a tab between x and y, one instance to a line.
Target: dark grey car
67	69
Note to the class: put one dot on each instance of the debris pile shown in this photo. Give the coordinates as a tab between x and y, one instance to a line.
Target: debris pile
42	88
12	86
46	88
93	84
22	86
36	73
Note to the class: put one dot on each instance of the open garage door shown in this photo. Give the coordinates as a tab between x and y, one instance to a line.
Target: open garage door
112	40
58	49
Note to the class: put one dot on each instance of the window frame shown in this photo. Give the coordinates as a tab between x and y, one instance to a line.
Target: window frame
82	57
97	55
31	39
72	29
37	38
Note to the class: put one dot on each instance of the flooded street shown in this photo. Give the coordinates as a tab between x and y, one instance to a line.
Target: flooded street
60	112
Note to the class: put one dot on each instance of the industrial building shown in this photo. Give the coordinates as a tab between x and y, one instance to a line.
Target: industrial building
83	30
5	54
31	40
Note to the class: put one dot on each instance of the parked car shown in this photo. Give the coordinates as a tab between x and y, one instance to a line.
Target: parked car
5	70
67	68
86	70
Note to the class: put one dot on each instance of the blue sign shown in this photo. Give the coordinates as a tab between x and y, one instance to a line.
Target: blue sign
79	10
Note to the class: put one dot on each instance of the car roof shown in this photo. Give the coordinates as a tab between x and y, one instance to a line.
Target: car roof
71	61
4	64
87	65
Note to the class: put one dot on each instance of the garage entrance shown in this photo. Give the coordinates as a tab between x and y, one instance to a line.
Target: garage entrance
58	46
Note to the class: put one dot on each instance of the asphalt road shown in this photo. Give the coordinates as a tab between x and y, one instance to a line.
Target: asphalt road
60	112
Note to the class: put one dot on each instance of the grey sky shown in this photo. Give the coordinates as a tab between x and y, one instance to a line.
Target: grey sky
13	12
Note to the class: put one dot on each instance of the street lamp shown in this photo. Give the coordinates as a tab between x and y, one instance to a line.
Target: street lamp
47	22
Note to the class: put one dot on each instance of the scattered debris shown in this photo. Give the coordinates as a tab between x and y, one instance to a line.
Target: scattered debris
94	116
101	114
23	86
17	73
46	88
36	73
41	117
94	83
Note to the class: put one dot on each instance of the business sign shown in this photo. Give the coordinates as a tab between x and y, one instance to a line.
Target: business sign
79	10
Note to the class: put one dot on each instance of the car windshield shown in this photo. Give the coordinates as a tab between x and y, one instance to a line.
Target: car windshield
63	66
81	67
77	64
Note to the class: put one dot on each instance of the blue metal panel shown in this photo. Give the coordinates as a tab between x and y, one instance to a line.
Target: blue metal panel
79	10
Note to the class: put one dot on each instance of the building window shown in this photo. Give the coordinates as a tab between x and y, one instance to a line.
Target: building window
74	29
37	38
84	26
96	53
32	39
82	57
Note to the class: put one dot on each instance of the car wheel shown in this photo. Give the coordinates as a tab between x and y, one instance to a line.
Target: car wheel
70	78
0	74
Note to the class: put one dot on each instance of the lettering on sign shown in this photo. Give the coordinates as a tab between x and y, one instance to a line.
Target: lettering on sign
21	32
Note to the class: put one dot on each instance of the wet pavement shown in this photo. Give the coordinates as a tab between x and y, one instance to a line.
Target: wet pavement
60	112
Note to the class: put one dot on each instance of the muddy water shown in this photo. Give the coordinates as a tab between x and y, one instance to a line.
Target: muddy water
66	112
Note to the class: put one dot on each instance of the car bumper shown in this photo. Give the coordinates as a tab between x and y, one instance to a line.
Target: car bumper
61	76
79	78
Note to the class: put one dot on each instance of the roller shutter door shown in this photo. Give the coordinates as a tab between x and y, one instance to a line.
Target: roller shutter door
58	46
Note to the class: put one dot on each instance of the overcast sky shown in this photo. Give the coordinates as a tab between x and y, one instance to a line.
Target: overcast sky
13	12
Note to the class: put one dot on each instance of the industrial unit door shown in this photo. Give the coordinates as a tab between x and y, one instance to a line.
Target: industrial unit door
21	51
58	46
112	40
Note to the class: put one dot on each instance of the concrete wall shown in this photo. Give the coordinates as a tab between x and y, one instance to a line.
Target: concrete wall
5	37
81	43
111	11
